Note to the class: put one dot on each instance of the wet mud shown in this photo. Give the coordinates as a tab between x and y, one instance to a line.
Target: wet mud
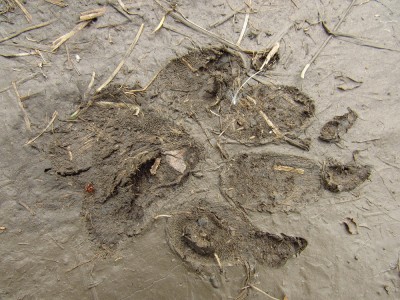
270	182
203	84
333	130
338	177
133	165
218	235
151	182
126	152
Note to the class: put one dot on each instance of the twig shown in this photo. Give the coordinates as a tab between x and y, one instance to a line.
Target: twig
55	114
275	129
128	52
246	21
262	292
271	53
27	29
26	118
303	73
62	39
28	16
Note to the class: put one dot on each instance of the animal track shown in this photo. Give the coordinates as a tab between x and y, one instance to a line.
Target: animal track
139	165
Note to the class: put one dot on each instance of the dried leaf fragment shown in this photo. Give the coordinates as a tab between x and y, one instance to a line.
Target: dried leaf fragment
175	158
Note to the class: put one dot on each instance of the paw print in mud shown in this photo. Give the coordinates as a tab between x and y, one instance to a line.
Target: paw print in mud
158	162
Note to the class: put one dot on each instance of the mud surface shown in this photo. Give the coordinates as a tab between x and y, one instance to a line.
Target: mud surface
139	196
203	234
338	177
270	182
134	163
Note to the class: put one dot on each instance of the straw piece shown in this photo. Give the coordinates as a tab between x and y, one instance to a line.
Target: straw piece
27	29
28	16
128	52
92	14
346	12
271	53
59	3
26	118
160	25
55	114
62	39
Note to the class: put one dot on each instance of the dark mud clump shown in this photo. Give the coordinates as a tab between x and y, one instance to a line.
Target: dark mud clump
202	85
338	177
333	130
208	236
133	165
270	182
